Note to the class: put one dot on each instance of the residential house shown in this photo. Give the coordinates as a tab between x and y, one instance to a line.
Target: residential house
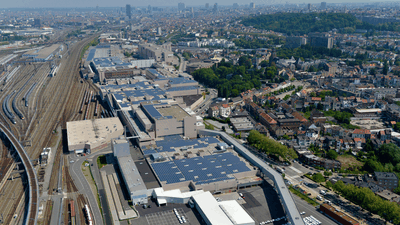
387	180
213	111
224	110
361	133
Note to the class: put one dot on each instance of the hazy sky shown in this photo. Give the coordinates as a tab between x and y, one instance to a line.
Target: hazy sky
121	3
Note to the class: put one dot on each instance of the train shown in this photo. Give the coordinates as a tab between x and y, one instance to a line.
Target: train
11	74
19	114
88	216
72	210
28	94
96	108
7	110
83	100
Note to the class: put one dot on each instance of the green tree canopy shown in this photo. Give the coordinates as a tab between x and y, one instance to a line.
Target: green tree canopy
368	200
332	154
269	145
231	80
318	177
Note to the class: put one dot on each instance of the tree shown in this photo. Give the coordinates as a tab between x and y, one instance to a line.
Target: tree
286	97
372	71
389	153
369	201
318	177
385	68
372	166
313	148
286	137
332	154
264	63
327	173
269	146
369	146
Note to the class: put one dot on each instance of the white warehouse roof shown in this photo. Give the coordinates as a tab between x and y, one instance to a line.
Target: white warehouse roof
210	209
222	213
236	213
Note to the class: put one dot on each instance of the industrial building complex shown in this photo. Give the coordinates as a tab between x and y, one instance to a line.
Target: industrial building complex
44	54
90	135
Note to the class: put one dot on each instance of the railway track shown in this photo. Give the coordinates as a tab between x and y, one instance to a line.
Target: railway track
81	201
32	207
53	105
68	181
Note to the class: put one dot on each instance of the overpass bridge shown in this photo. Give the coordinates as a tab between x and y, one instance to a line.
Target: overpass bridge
290	207
31	211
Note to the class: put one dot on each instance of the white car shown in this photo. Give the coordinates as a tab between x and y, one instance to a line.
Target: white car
302	213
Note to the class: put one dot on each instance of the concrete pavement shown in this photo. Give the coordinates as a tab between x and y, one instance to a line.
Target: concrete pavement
55	213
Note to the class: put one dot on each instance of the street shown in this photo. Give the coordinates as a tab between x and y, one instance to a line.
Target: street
83	186
295	83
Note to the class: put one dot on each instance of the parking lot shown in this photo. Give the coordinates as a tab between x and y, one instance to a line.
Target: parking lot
166	217
154	213
263	204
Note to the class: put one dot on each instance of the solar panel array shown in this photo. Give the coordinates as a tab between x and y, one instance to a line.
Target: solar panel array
231	162
168	171
91	54
152	111
176	141
201	170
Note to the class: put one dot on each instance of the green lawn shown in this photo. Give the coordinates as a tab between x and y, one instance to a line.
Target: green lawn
101	161
349	161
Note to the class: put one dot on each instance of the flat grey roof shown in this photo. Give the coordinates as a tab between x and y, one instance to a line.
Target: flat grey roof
132	176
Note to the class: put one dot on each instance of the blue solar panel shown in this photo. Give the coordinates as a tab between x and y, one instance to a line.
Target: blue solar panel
152	111
209	140
149	152
91	54
202	170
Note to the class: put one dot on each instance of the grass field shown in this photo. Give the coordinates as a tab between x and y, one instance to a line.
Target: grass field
349	161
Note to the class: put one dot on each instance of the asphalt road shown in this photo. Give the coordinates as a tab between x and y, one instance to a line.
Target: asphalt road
303	206
209	99
102	192
83	186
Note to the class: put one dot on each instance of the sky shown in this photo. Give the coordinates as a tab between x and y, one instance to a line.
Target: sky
141	3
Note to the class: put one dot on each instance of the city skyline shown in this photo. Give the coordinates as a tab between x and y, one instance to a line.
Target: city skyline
157	3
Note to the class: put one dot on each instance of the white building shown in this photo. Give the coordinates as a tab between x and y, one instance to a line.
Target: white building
221	213
173	196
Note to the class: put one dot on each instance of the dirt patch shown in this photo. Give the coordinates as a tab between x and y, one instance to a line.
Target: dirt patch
348	161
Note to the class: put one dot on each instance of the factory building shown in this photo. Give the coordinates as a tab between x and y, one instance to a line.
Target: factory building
133	181
156	107
160	53
91	135
224	212
199	164
44	54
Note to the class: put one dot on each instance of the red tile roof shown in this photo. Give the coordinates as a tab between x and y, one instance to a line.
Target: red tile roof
268	118
361	131
316	99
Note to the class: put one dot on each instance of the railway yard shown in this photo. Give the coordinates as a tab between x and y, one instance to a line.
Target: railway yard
35	107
